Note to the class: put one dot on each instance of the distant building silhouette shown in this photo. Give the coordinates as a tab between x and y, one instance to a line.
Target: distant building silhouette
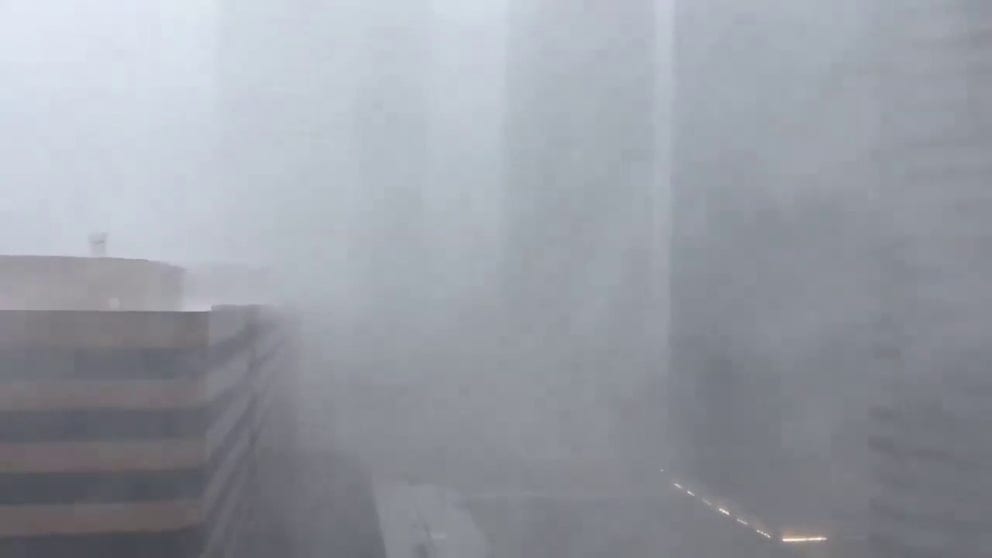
580	262
771	284
931	435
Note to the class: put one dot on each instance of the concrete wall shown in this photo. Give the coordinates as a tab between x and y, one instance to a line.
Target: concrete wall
229	284
67	283
931	449
582	300
772	271
133	434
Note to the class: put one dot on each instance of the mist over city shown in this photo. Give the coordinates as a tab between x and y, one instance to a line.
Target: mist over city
495	278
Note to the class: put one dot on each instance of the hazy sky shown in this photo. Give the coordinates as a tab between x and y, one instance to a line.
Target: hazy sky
104	124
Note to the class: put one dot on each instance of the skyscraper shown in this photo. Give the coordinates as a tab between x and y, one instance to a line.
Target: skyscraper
931	442
580	207
389	261
771	294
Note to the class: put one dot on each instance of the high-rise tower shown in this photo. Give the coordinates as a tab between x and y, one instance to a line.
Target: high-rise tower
580	259
931	437
771	289
390	127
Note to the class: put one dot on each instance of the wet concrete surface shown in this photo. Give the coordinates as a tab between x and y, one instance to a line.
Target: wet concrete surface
655	526
316	505
427	521
327	505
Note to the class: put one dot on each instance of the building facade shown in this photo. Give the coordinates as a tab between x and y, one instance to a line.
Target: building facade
391	261
68	283
930	440
134	432
772	294
580	211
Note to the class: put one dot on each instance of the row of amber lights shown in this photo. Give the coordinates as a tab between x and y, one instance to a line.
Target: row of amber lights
742	521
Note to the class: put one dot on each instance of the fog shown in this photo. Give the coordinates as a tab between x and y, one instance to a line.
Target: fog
107	115
583	251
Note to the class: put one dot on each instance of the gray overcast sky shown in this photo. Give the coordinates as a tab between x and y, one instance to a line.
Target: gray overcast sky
107	122
104	124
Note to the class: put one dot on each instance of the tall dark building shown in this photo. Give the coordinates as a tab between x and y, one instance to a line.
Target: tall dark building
771	293
931	437
390	131
580	205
